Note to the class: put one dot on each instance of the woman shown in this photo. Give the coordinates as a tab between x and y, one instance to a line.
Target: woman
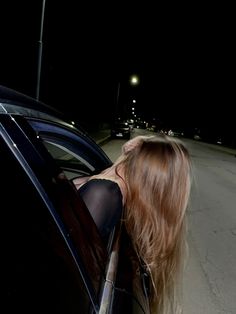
151	181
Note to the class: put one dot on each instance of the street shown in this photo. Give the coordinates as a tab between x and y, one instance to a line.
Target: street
210	282
210	273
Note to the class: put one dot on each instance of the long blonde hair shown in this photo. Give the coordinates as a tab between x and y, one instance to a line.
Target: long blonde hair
157	175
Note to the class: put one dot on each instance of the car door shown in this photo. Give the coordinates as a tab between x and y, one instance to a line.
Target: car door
53	258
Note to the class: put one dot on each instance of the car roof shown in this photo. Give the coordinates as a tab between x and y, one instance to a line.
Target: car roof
9	95
14	102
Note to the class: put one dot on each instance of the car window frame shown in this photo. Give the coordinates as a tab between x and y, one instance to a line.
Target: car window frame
53	129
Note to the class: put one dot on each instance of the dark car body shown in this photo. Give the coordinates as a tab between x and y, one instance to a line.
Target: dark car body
52	257
120	129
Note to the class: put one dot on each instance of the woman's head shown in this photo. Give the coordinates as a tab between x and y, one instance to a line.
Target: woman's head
157	168
157	174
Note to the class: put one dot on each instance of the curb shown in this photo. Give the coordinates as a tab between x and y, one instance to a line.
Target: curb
103	140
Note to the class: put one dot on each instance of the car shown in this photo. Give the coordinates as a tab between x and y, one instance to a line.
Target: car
53	259
175	132
120	129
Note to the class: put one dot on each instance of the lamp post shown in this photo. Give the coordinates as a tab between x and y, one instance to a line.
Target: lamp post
133	81
40	51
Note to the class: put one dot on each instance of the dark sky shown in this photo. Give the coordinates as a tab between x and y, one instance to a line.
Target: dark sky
184	57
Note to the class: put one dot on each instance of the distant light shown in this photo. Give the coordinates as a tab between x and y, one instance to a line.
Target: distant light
134	80
134	101
72	122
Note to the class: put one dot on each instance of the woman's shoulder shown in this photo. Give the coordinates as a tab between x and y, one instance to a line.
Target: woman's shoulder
103	183
79	181
95	181
102	189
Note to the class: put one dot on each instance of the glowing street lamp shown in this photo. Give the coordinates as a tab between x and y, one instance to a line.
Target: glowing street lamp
134	80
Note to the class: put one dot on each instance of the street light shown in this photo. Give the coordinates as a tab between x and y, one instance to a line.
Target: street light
40	50
134	80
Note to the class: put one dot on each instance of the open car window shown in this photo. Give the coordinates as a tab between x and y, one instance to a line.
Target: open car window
74	153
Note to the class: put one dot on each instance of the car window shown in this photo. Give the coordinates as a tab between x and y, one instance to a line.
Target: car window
76	154
121	125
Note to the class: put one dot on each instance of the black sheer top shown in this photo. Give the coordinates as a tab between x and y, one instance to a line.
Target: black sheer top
103	199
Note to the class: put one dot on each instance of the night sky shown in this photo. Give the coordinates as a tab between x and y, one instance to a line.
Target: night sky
184	56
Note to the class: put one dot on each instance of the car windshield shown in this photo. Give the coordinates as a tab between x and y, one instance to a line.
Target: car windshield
122	125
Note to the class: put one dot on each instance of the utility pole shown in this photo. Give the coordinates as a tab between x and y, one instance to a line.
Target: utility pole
40	51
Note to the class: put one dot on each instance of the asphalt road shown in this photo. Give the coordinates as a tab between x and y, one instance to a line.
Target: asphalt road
210	278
